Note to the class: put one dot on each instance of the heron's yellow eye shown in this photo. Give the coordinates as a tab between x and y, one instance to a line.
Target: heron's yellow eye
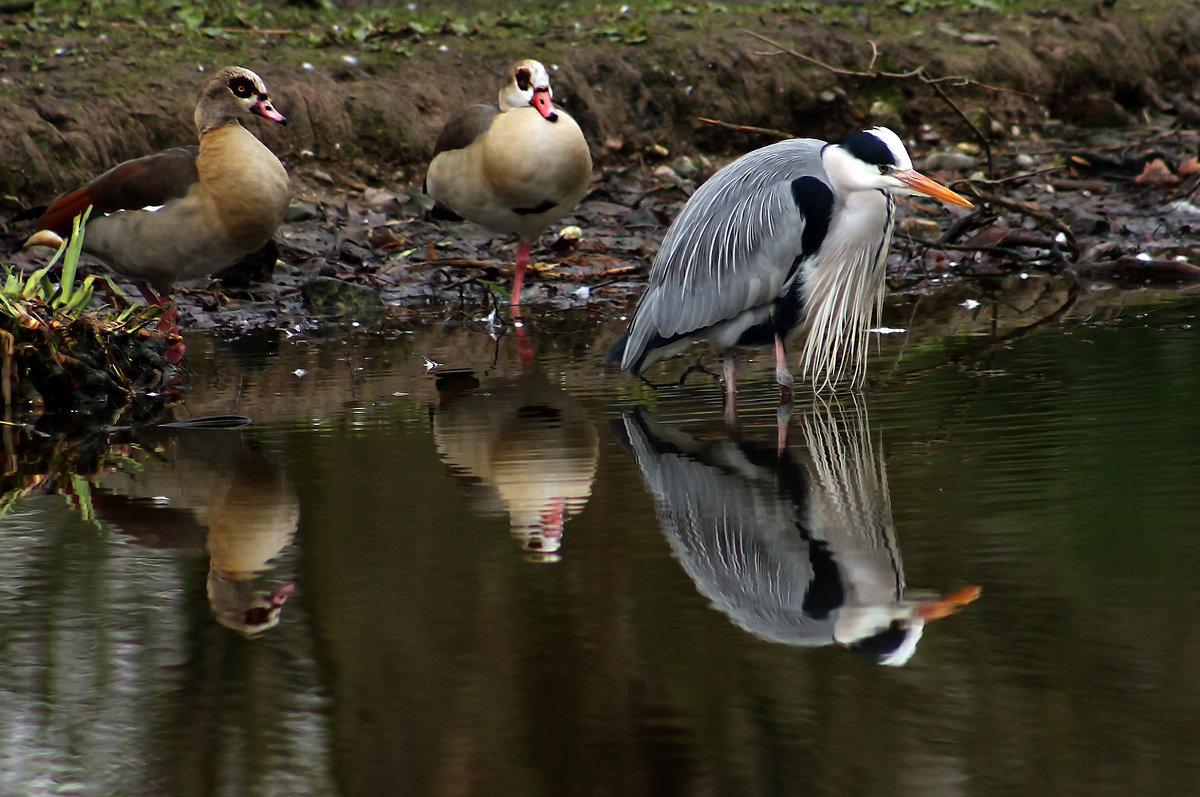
884	168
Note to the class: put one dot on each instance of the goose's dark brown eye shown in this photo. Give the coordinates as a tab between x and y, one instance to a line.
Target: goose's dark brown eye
241	87
523	79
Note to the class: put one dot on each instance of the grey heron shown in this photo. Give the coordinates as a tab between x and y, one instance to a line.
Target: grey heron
792	235
795	546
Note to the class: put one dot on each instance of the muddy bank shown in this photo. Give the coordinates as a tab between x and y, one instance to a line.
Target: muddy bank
74	102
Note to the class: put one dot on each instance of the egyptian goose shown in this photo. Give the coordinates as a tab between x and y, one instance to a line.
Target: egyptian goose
185	212
200	488
518	446
516	167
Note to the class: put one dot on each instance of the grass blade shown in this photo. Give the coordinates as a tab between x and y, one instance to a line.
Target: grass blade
71	260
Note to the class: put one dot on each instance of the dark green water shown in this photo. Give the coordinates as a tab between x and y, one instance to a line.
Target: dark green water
518	587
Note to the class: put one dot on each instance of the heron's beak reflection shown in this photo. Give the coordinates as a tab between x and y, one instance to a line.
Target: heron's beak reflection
919	183
947	604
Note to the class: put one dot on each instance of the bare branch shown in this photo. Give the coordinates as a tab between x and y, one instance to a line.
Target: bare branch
766	131
1026	209
935	83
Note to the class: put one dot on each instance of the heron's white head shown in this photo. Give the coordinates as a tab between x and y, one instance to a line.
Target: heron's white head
528	84
876	160
889	632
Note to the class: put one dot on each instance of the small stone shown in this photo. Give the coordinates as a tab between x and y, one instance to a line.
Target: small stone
384	201
301	211
921	228
884	113
667	175
354	254
685	167
335	297
949	161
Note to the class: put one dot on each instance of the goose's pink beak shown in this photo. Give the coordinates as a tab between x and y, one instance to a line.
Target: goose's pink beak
280	594
267	111
543	103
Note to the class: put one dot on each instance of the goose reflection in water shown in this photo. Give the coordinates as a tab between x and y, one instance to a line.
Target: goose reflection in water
521	447
200	488
795	549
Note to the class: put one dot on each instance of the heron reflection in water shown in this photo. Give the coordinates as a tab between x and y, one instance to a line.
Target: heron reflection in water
208	488
518	446
795	548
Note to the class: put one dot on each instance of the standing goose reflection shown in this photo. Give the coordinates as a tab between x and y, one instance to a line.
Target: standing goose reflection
518	446
798	552
197	488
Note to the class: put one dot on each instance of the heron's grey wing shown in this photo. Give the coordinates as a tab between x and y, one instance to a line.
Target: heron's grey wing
732	248
732	529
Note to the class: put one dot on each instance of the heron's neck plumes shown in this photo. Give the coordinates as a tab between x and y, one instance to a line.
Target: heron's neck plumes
843	290
849	500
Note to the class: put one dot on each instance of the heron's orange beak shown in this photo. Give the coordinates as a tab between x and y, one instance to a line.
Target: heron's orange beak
543	103
947	604
923	185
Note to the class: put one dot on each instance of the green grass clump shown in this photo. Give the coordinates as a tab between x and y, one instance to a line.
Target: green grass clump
59	351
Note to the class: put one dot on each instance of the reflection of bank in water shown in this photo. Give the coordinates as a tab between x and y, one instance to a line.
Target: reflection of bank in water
795	549
209	489
520	447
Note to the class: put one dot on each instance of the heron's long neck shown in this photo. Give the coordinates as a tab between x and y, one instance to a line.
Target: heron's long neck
843	289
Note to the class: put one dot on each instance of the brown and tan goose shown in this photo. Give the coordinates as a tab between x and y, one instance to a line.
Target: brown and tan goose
196	489
189	211
514	167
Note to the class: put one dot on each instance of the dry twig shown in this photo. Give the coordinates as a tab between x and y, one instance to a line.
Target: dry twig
935	83
1026	209
766	131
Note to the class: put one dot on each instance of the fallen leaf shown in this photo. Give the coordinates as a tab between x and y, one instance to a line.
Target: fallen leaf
1156	174
1003	236
1189	167
384	239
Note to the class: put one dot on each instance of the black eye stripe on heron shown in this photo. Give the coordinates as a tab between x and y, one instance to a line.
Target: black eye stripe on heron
868	148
